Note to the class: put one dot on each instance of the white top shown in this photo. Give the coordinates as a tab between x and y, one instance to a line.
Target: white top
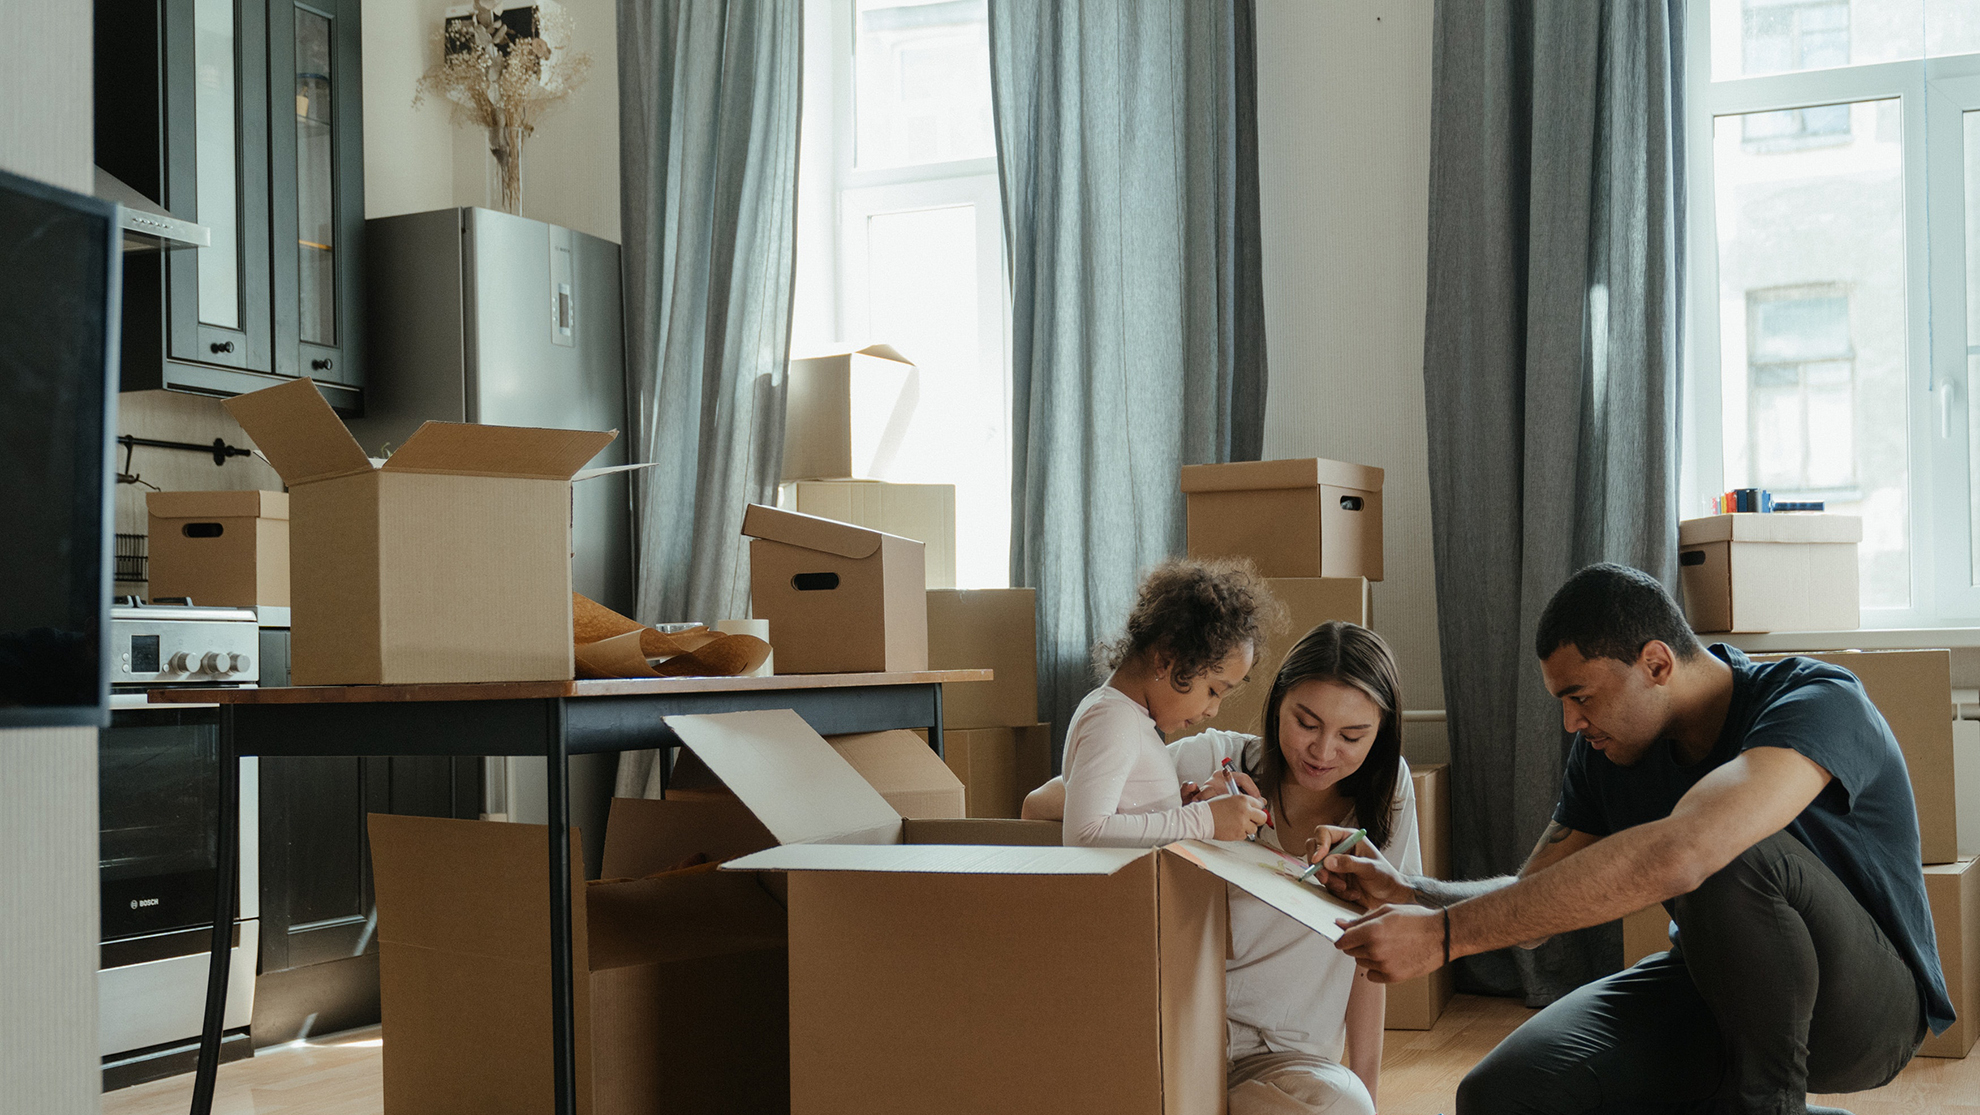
1121	788
1286	987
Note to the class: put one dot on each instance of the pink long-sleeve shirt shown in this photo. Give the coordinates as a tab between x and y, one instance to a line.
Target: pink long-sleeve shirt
1121	788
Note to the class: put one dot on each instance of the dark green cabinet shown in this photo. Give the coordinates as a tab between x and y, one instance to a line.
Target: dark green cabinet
246	117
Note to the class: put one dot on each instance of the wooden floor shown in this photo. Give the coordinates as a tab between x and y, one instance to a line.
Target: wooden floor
339	1074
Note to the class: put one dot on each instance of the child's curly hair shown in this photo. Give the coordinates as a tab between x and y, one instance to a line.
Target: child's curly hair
1195	612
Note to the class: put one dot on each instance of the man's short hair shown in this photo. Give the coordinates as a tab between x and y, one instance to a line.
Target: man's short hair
1613	611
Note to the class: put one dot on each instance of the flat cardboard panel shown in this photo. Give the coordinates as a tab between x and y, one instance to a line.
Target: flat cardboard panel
790	778
940	859
642	836
841	628
1913	690
939	993
1645	932
994	628
1310	602
708	1034
905	600
1277	529
336	633
1782	527
475	579
1034	759
923	512
1966	785
1954	892
296	430
906	771
1707	586
518	452
1195	930
1257	870
1299	518
244	503
1351	532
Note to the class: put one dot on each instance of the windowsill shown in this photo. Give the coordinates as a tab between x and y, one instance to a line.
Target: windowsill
1891	638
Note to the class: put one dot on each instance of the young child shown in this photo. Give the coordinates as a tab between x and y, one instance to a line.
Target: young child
1194	631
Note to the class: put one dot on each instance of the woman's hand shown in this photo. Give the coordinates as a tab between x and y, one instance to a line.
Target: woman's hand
1237	816
1360	875
1221	783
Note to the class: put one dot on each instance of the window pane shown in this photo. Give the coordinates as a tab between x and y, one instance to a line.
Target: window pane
1754	37
219	265
1972	122
1811	289
1951	27
922	75
923	299
316	186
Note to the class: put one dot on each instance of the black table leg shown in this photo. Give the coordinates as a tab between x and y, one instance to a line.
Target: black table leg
563	1028
227	865
935	729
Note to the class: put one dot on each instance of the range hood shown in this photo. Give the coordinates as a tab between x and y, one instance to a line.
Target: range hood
146	226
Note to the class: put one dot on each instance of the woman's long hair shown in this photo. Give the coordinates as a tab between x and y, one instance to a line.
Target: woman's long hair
1351	655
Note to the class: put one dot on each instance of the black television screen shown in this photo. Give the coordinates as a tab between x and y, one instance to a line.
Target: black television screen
60	272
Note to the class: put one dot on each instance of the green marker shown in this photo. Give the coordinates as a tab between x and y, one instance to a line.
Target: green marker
1343	846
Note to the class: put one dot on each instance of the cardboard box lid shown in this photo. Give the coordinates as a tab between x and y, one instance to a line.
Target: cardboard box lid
877	351
643	836
788	776
897	762
296	430
1304	472
516	452
940	859
813	533
1792	526
247	504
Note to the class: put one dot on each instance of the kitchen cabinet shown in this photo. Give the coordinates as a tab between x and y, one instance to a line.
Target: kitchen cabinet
244	116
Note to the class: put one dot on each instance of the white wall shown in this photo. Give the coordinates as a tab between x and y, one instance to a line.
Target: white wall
415	160
48	877
1344	171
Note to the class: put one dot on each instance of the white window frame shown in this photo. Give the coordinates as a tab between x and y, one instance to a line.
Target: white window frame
1932	94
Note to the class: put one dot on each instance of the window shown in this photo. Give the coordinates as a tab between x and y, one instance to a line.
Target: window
1833	279
901	240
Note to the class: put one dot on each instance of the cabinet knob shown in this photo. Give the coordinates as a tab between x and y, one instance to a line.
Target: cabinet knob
222	346
321	365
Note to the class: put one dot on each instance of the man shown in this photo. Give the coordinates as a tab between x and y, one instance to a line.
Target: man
1765	805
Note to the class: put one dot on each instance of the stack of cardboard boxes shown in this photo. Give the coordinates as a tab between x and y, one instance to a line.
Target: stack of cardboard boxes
991	735
1913	691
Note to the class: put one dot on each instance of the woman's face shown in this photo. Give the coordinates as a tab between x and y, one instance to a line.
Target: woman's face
1326	729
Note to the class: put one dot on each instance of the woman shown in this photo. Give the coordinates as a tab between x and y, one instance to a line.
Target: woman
1304	1026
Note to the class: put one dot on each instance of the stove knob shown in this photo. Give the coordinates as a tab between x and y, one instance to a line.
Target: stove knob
214	662
239	663
181	663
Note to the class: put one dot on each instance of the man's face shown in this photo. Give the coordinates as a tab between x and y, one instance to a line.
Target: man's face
1620	708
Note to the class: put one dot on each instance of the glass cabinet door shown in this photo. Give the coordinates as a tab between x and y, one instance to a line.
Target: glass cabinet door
317	166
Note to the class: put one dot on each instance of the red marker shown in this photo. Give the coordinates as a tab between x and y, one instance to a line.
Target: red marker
1230	784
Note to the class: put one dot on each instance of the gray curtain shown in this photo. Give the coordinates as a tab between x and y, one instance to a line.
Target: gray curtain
1551	384
1126	148
708	133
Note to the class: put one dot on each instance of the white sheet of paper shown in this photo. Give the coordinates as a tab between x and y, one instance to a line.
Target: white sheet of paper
1270	877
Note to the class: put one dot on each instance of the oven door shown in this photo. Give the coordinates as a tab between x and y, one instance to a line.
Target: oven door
159	785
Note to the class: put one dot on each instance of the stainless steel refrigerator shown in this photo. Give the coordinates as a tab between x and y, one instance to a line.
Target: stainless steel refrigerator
479	316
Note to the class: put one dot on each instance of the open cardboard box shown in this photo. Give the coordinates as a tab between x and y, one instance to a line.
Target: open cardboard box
449	562
932	970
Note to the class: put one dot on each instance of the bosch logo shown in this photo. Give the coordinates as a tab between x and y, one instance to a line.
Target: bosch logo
137	902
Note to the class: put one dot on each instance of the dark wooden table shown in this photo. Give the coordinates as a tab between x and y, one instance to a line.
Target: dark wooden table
555	719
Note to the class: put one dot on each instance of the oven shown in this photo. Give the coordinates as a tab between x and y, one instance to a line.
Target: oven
159	786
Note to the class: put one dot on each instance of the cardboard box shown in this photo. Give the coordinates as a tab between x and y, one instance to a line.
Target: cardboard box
987	628
1777	572
1966	785
998	766
450	562
839	598
906	771
219	548
1954	891
1301	518
846	413
680	985
1310	602
1417	1004
923	512
1913	689
1645	932
927	976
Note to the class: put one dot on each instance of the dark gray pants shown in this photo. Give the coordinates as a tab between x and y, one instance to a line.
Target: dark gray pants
1778	983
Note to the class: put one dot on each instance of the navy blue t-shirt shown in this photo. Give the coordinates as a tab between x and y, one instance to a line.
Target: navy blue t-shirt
1863	825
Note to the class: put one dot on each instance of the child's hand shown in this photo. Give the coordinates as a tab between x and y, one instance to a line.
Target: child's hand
1237	782
1237	816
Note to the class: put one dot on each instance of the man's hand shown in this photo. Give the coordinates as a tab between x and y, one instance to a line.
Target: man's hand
1395	943
1359	875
